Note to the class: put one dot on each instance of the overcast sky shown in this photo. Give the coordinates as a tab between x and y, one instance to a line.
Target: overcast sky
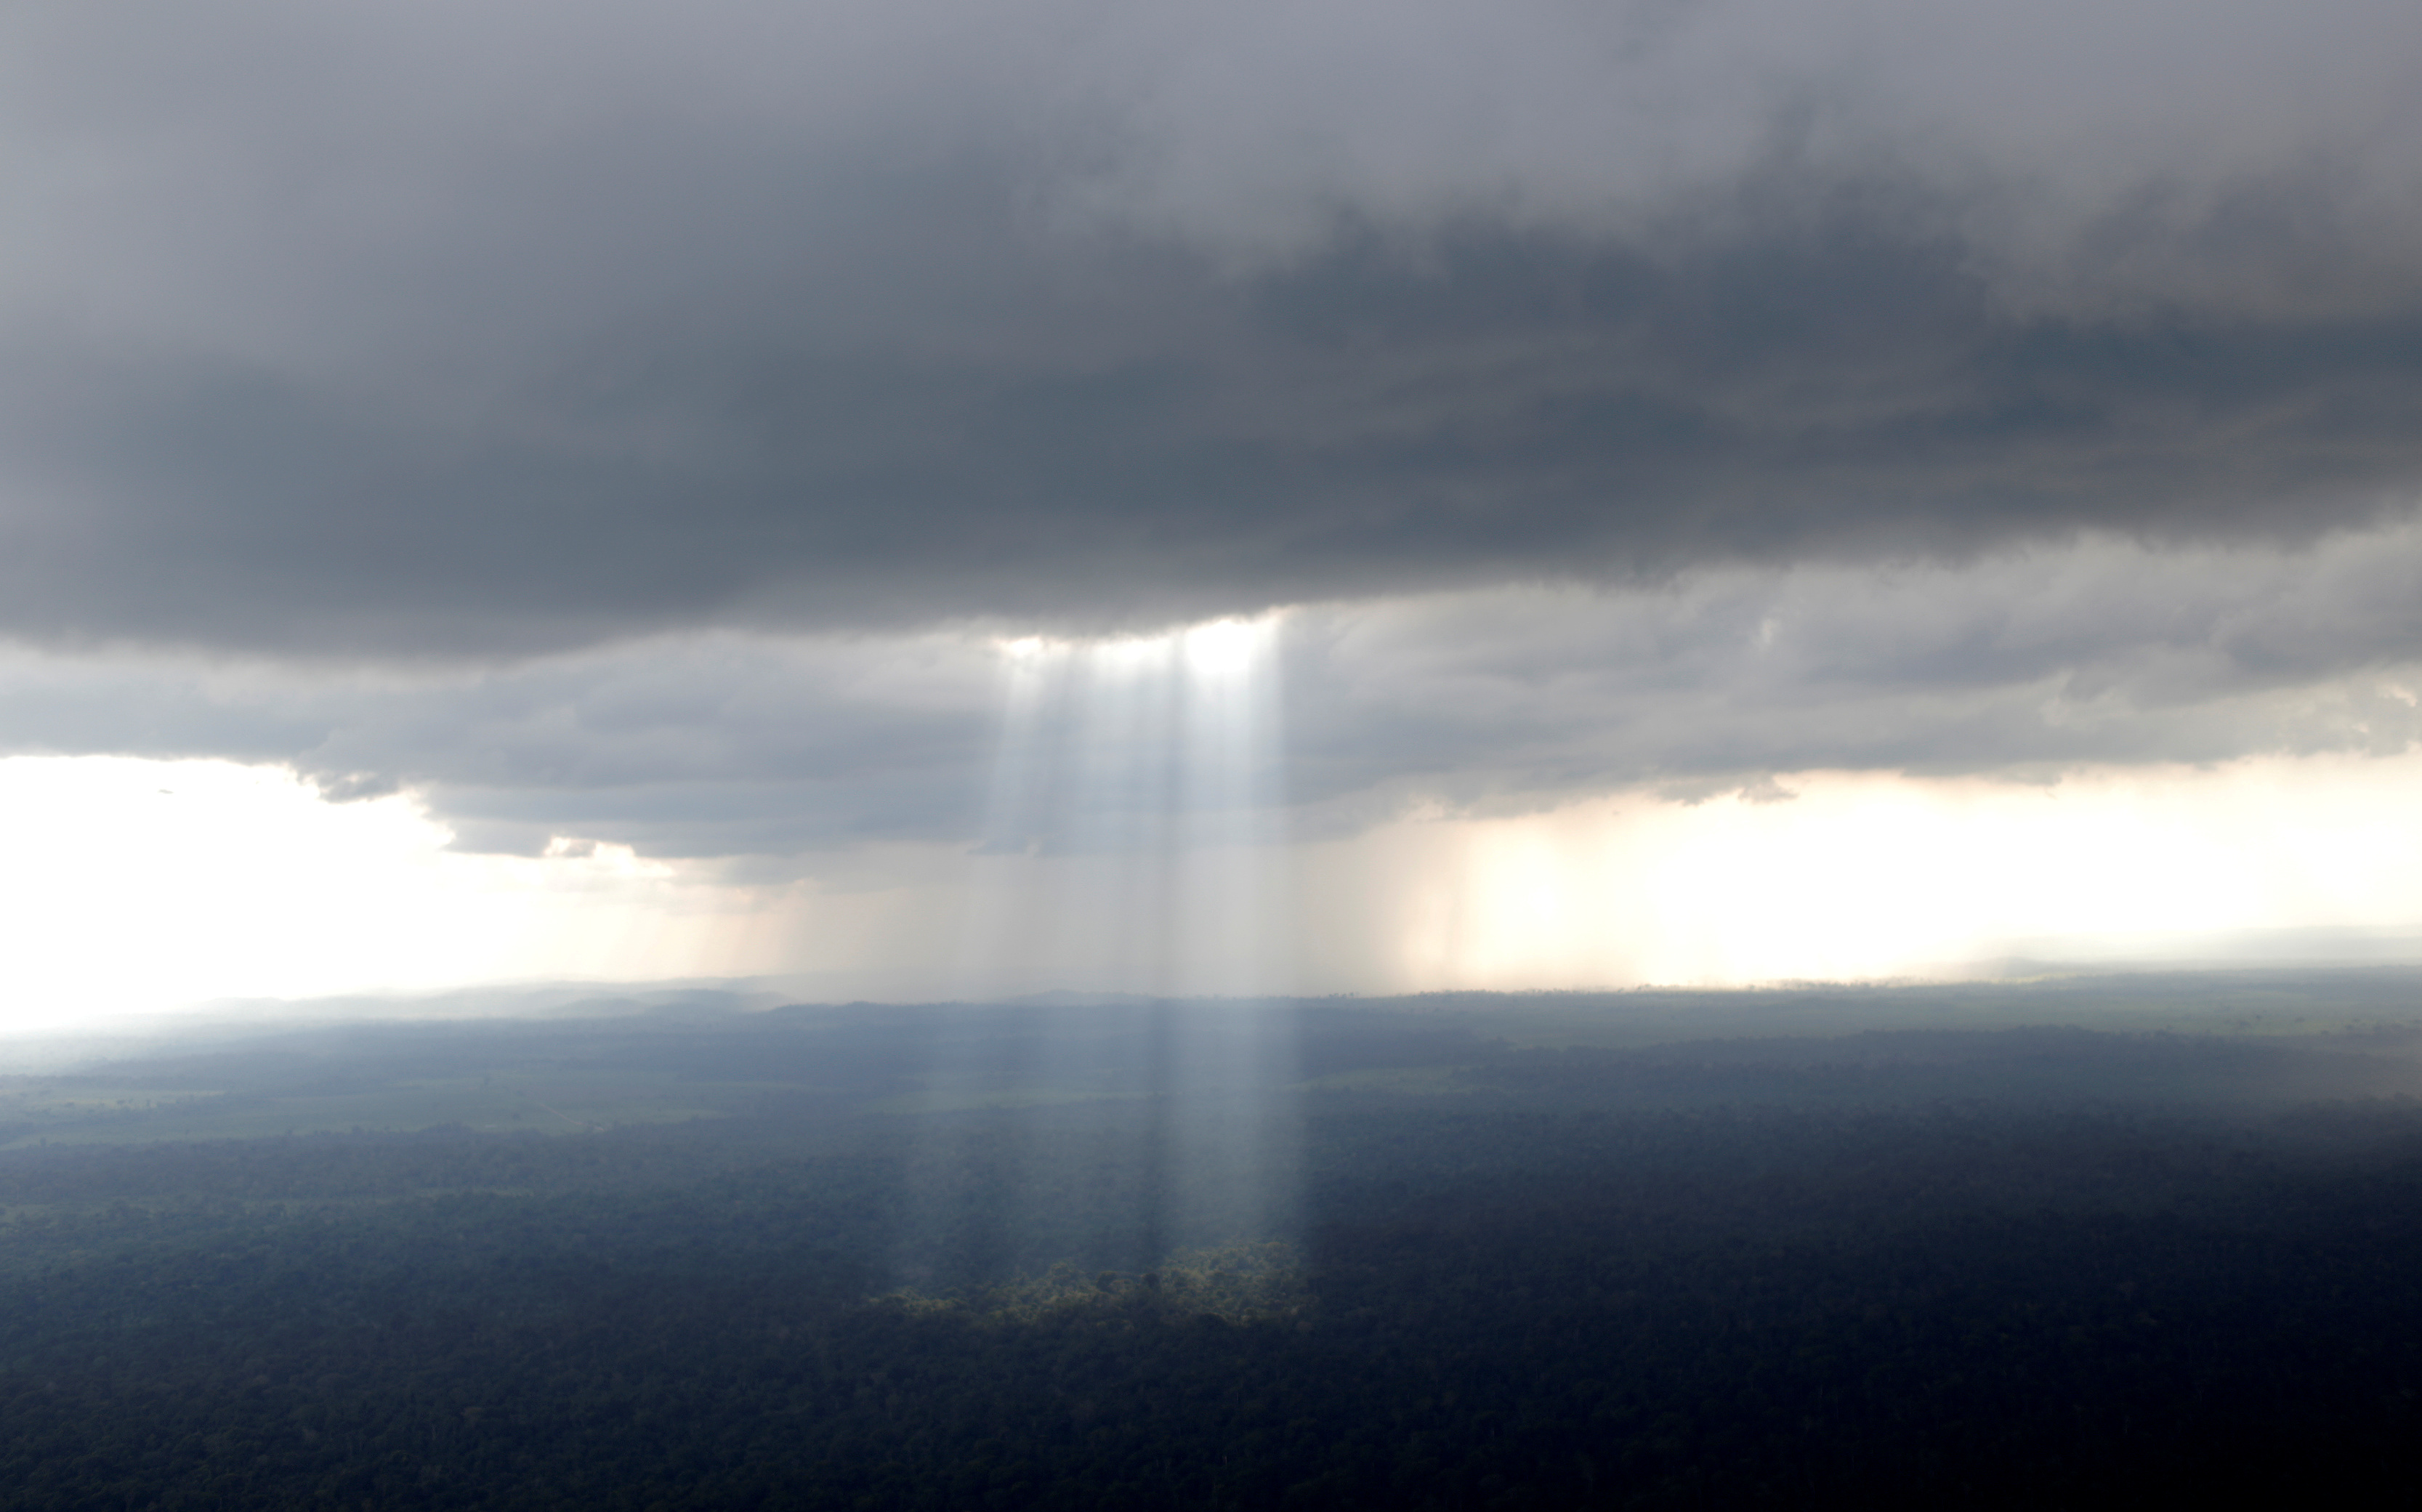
659	427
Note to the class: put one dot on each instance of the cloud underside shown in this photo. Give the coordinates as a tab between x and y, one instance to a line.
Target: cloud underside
638	428
2028	663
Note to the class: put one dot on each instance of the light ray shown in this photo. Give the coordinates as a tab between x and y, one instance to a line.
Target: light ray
1132	844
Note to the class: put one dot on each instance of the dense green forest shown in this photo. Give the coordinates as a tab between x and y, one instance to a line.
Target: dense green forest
1140	1254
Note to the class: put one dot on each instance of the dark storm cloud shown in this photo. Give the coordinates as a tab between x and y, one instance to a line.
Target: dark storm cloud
398	330
614	423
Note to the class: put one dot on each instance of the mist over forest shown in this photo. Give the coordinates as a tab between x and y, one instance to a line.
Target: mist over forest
2073	1241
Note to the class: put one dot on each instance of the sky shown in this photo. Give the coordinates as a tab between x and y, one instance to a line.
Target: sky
940	499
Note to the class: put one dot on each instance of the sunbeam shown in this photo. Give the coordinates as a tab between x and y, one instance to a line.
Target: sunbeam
1132	844
1133	823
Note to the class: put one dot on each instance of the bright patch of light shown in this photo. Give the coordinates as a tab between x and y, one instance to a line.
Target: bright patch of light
1227	648
1863	876
140	886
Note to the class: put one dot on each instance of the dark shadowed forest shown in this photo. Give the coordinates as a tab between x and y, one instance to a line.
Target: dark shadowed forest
2075	1243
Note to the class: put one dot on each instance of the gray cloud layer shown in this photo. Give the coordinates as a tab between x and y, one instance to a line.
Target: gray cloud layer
633	424
394	330
735	744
